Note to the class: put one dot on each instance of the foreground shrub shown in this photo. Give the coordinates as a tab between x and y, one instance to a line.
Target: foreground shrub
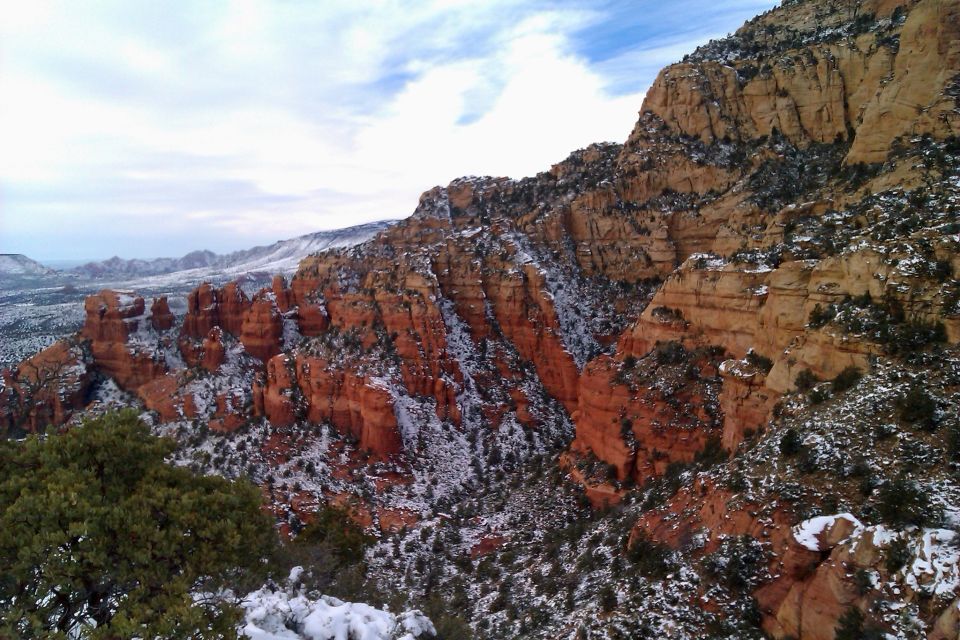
101	538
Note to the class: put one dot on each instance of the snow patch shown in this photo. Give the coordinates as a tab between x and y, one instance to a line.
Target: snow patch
808	532
289	614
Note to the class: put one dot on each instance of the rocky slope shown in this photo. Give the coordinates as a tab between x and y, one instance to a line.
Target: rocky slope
667	388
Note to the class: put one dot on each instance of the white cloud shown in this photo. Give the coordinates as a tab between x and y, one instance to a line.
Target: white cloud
549	105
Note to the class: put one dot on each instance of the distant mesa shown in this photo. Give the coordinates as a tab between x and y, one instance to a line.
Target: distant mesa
17	264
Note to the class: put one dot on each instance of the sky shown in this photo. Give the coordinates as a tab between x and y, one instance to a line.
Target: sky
147	129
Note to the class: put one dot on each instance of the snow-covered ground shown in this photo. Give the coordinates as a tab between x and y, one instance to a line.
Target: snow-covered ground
287	613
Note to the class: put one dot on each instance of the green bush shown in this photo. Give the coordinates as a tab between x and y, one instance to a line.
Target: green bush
332	526
100	537
671	352
790	443
448	624
760	362
712	452
897	556
863	581
738	564
851	626
846	379
942	270
805	380
917	406
902	502
607	598
820	317
953	442
651	559
913	335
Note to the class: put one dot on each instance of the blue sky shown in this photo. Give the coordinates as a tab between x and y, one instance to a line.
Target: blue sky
147	129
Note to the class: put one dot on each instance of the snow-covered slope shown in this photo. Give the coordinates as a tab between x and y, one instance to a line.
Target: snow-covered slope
17	264
279	257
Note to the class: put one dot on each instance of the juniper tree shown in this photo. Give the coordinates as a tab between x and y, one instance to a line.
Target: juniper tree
101	538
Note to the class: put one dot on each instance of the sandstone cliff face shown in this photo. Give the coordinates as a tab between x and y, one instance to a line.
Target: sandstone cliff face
213	350
257	324
742	308
262	329
639	416
163	396
160	316
745	401
45	390
823	95
822	91
916	100
123	339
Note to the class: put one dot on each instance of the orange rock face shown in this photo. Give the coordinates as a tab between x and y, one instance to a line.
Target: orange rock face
262	329
202	312
282	293
129	369
213	350
45	389
624	289
406	322
111	322
111	316
208	308
528	319
233	306
160	316
487	545
257	323
745	401
277	396
227	416
309	388
395	520
162	396
717	513
640	430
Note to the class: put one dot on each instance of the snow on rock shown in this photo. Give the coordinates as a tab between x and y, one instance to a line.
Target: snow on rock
808	532
935	556
935	563
288	614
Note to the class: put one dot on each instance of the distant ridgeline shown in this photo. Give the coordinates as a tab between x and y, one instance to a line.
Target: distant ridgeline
17	264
